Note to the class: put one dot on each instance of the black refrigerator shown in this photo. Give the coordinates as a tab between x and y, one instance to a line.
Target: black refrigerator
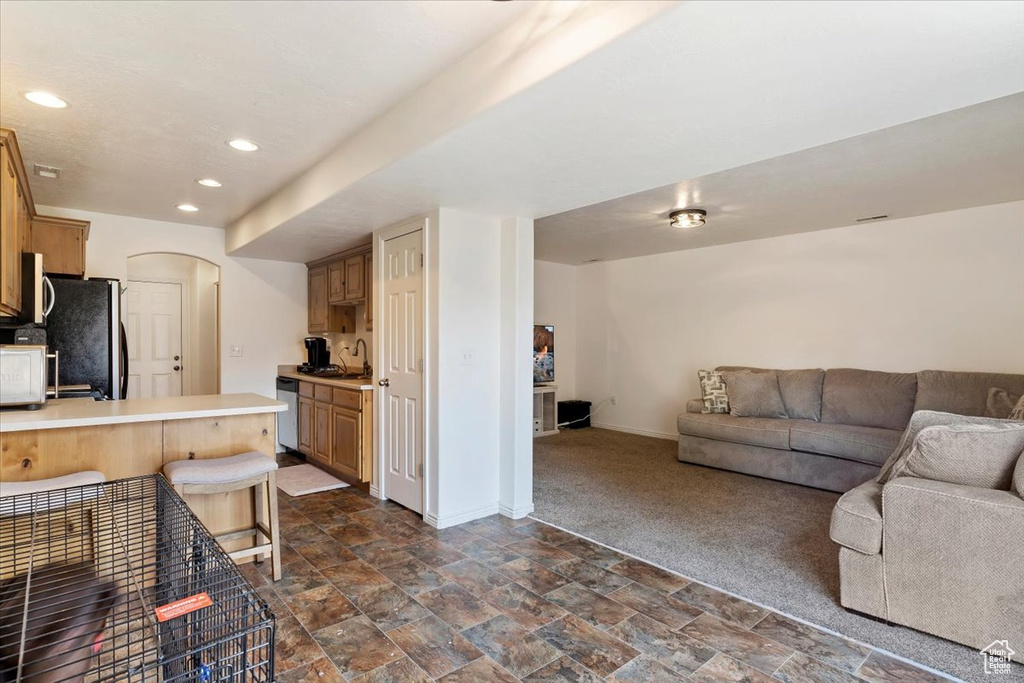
84	328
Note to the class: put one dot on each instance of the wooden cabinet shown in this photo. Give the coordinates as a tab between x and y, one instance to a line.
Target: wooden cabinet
306	425
336	278
369	292
336	285
16	211
336	429
323	317
322	432
61	241
347	441
355	278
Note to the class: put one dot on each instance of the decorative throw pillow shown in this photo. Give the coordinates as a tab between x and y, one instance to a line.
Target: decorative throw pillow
1018	411
712	392
1000	403
754	394
973	455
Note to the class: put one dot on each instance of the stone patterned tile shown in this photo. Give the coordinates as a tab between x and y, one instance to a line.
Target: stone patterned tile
372	518
252	575
750	648
563	670
803	669
588	605
488	553
413	576
456	606
721	604
665	608
297	577
351	504
533	576
293	646
437	649
649	575
389	607
479	670
321	606
514	523
319	671
355	577
540	552
274	602
351	534
656	640
400	533
413	519
644	670
494	531
288	556
528	609
593	552
512	646
839	652
325	553
590	646
402	670
546	533
881	668
380	553
356	646
593	577
473	576
724	669
326	516
303	533
434	553
454	536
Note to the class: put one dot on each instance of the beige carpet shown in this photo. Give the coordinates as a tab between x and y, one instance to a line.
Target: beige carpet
763	540
301	480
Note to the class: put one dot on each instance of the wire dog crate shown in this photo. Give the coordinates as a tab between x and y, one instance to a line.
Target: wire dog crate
120	582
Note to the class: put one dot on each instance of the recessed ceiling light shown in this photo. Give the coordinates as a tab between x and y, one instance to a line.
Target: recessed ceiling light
243	145
188	208
208	182
45	99
688	218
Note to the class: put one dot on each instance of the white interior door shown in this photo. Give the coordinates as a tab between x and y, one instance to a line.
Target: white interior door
153	325
401	369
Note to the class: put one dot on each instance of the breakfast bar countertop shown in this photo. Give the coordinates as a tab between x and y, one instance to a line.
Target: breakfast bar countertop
83	412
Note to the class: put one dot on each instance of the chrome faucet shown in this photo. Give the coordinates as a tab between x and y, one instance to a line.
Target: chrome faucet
367	369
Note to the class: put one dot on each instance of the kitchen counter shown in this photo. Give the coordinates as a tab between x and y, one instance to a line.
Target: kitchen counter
84	412
343	383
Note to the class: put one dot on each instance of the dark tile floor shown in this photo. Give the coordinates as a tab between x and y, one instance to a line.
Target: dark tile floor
371	593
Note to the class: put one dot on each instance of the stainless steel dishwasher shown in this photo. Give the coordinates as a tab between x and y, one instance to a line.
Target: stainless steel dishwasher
288	421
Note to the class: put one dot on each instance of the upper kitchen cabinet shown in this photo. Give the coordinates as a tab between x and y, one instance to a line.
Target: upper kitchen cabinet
61	241
16	211
323	317
336	284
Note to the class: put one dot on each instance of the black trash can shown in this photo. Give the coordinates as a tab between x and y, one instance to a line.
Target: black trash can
577	413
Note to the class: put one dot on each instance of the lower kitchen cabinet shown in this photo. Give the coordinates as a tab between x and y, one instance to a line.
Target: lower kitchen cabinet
306	426
322	432
347	441
336	429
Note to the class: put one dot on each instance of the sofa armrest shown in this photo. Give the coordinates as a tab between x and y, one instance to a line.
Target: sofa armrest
954	559
695	405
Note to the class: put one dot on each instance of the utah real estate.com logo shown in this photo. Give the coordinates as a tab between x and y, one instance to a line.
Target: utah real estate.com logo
997	657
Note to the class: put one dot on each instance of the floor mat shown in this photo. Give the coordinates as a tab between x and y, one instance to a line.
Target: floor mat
302	480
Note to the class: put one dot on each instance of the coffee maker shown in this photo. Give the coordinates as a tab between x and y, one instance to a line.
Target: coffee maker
317	355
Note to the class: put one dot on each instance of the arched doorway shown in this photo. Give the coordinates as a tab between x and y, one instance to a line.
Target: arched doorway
172	321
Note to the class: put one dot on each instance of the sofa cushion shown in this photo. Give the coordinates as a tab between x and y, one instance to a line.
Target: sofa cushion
857	519
754	431
964	393
868	398
712	391
1018	477
1000	403
753	394
800	389
870	445
972	455
1018	411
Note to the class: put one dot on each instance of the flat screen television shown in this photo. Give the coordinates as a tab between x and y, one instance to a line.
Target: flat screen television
543	354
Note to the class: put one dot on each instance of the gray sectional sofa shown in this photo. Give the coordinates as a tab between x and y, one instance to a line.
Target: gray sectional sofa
856	418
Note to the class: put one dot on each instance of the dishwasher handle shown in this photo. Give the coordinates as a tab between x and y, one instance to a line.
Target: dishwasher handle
288	384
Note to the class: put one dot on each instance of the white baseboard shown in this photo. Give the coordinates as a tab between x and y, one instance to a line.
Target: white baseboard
375	492
639	432
445	521
516	513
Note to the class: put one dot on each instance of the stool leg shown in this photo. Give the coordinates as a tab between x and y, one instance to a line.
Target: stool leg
260	510
275	535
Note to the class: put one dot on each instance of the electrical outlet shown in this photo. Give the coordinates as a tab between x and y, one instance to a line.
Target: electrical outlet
614	401
235	351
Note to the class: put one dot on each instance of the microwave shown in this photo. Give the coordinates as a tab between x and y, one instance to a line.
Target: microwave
23	375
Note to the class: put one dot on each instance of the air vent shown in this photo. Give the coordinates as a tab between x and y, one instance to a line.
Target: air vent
593	260
872	218
46	171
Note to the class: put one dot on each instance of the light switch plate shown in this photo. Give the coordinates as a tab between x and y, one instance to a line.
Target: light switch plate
236	351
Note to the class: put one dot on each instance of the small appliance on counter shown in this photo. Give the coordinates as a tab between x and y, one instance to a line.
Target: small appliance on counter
24	374
318	359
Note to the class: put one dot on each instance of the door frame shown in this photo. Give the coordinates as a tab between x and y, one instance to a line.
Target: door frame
185	327
378	484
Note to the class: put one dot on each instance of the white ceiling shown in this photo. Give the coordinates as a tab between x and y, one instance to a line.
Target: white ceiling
156	88
968	157
706	87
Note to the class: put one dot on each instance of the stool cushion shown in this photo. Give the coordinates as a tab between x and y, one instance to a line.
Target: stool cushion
38	503
219	470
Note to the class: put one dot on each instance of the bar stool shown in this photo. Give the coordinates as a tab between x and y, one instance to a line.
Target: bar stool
251	470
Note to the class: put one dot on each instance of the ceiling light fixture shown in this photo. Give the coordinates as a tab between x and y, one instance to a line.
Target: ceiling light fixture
688	218
45	99
188	208
208	182
243	145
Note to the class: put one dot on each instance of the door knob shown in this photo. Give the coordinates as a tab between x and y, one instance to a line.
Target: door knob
385	382
177	367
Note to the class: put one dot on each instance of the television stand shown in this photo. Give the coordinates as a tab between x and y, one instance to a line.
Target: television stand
545	413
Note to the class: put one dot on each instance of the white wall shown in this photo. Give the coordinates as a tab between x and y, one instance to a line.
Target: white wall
943	291
263	302
554	297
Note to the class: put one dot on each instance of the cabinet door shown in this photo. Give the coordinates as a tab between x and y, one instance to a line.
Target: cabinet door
322	432
347	441
306	426
62	244
10	240
336	282
355	278
318	311
369	292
